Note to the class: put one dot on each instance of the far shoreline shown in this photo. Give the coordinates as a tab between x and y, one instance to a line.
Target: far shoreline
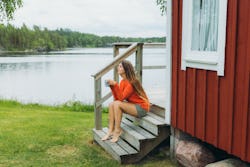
33	51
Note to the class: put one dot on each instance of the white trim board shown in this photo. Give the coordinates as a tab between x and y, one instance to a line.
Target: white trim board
169	62
203	59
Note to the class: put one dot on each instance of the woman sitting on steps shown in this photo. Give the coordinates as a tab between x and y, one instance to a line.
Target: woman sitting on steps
129	98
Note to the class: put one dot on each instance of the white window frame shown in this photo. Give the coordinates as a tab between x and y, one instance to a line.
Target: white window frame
208	60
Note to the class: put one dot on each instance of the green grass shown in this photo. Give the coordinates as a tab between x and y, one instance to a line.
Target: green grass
39	135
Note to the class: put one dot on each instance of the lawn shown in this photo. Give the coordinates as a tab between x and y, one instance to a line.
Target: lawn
36	135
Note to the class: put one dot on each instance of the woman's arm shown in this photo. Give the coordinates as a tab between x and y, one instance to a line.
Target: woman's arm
123	91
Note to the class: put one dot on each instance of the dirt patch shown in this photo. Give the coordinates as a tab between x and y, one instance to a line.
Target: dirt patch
62	151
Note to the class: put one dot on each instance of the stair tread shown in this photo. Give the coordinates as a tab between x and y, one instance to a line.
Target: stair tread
157	117
135	142
138	129
148	118
158	110
151	122
109	145
124	144
132	132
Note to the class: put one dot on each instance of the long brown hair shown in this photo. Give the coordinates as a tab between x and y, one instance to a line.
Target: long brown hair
131	77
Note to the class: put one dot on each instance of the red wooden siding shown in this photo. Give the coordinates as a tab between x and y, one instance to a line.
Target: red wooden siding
190	107
241	84
226	83
248	134
211	108
248	126
200	102
175	63
181	78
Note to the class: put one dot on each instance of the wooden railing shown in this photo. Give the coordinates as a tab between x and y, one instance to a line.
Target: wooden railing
136	48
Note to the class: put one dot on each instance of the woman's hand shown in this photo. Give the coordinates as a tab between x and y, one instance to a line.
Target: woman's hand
111	82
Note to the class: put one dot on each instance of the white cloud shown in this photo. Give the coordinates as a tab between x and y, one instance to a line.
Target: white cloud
107	17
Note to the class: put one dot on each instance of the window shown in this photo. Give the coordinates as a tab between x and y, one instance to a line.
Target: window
203	34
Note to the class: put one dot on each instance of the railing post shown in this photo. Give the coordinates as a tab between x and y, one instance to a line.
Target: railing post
115	53
138	61
98	109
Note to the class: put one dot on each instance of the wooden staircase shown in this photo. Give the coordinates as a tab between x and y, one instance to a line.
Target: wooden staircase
139	137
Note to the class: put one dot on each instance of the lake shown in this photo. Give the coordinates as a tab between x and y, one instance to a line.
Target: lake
57	77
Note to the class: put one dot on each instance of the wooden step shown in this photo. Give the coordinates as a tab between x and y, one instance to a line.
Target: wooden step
139	137
121	151
133	134
158	110
151	122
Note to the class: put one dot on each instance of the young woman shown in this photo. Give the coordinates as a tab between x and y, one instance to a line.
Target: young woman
129	98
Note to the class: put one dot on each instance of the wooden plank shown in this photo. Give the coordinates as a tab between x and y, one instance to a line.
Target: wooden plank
212	108
245	110
153	120
106	148
190	101
139	61
98	108
115	73
181	79
147	118
153	67
200	104
248	129
138	129
113	148
155	45
145	123
122	44
131	131
149	145
103	99
124	145
162	120
226	83
146	45
245	124
131	136
242	85
160	111
239	84
130	50
175	46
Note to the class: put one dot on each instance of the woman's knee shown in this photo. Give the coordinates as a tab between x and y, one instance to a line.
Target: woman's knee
111	105
117	103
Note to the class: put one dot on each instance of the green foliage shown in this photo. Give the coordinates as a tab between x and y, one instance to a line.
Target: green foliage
38	39
162	4
80	107
8	7
75	106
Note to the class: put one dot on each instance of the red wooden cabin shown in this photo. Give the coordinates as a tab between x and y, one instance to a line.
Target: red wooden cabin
210	85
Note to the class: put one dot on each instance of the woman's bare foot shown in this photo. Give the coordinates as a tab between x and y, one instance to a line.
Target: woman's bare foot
107	136
116	136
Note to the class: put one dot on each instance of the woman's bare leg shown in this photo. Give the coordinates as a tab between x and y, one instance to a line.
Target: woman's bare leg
111	121
119	108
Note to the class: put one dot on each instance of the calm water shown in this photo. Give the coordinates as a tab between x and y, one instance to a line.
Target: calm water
58	77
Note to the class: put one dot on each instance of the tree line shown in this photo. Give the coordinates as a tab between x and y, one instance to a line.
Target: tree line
42	39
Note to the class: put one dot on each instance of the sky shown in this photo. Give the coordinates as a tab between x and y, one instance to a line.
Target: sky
125	18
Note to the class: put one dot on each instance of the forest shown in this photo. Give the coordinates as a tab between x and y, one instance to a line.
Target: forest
39	39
